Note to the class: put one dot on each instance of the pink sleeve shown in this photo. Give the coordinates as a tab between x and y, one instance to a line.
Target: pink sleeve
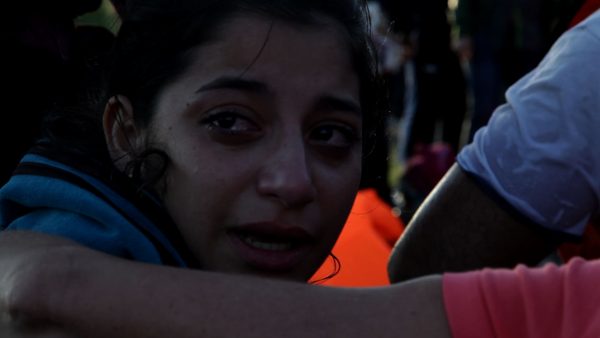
527	303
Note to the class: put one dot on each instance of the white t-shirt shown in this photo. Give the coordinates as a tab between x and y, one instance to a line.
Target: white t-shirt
541	150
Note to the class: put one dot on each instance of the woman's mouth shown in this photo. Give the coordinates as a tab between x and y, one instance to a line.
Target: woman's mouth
265	243
271	246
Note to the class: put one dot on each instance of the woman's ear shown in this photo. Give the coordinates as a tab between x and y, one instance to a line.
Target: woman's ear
122	137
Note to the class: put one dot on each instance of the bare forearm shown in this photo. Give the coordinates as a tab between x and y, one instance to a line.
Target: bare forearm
460	228
103	296
212	305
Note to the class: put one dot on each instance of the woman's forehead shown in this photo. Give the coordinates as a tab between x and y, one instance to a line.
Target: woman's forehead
287	63
250	43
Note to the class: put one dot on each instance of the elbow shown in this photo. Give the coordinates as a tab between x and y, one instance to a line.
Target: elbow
393	270
399	269
30	285
410	259
20	288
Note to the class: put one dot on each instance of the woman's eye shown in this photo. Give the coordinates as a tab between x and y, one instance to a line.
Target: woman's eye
334	136
229	122
230	127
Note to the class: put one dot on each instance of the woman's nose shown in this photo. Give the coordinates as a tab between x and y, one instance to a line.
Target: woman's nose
286	176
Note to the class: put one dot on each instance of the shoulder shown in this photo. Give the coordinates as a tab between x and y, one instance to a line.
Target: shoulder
592	24
545	131
50	197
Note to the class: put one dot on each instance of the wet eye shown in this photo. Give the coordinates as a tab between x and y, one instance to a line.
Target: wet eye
334	136
229	122
230	127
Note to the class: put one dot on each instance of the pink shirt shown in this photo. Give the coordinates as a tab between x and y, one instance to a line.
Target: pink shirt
542	302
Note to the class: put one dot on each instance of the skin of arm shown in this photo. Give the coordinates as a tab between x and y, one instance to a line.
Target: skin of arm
460	228
45	279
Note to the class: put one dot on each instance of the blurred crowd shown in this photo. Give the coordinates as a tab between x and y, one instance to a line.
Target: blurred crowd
447	65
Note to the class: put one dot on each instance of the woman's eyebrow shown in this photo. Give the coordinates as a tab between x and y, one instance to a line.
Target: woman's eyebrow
238	83
332	102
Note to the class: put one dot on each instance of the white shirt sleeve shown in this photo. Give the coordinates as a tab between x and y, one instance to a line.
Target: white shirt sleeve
541	150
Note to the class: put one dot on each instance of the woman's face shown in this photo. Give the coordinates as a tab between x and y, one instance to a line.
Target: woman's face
263	133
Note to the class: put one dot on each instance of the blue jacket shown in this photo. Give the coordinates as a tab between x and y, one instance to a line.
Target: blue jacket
49	196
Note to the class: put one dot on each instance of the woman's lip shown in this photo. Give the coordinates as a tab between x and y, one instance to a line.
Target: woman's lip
271	246
275	230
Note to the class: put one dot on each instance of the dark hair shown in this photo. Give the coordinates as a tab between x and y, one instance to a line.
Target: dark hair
155	39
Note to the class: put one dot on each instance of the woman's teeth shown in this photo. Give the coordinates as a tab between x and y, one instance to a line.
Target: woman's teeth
266	245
